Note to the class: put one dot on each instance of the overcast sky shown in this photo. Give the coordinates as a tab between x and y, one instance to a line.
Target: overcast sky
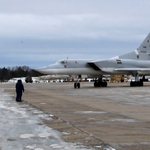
36	33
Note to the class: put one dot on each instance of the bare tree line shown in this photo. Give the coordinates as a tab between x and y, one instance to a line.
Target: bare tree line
17	71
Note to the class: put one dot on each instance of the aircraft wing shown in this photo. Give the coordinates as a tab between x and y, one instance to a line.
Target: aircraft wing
141	71
96	65
132	69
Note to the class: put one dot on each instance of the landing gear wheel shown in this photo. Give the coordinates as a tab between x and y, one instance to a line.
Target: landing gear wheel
75	85
78	85
105	84
139	83
100	84
95	84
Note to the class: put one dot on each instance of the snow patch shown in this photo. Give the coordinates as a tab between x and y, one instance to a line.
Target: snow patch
57	146
26	136
31	146
65	133
44	135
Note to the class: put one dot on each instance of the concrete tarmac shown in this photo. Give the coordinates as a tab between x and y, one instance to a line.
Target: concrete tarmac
115	116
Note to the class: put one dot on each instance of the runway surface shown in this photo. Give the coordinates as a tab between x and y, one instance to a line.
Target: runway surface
22	128
115	117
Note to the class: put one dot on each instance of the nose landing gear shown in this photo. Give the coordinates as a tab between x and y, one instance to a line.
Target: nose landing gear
76	85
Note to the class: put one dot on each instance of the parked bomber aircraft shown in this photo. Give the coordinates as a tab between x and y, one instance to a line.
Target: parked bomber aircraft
136	63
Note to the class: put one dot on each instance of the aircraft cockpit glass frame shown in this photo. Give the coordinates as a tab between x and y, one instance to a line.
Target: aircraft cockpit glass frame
61	62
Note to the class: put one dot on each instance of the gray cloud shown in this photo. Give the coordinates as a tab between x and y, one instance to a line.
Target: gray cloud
43	31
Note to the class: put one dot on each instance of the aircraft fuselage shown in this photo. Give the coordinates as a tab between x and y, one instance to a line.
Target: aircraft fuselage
109	66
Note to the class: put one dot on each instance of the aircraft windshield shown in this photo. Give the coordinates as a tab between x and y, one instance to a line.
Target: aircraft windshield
61	61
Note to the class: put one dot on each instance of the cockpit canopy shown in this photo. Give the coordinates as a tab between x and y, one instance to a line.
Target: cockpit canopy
61	61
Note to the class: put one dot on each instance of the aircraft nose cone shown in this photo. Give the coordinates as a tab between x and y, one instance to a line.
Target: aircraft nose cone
50	69
41	69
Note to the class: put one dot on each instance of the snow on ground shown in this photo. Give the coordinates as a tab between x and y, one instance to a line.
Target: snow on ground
21	128
14	80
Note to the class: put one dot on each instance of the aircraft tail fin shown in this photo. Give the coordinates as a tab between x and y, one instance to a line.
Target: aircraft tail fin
142	53
145	46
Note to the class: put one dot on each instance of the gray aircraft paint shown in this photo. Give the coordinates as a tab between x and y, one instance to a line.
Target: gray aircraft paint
132	63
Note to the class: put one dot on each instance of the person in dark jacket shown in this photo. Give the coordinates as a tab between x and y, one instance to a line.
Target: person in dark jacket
19	90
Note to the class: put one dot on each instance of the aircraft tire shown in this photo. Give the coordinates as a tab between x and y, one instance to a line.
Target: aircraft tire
78	85
140	83
75	85
95	84
99	84
105	84
132	84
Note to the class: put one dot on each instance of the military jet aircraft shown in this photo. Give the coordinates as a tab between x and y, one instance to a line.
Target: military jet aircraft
135	63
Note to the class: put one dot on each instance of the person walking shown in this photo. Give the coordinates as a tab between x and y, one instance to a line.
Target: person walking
19	90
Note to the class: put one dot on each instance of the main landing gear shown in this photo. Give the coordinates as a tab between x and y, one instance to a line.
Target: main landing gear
100	83
76	85
137	82
97	83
